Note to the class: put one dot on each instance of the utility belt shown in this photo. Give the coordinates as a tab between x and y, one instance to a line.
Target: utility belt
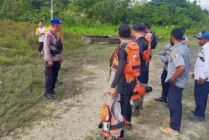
54	52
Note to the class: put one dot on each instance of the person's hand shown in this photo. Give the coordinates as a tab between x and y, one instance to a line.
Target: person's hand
50	63
61	61
201	81
172	81
113	92
192	75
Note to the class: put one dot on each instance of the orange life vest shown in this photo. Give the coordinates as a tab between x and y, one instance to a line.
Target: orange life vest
133	66
139	91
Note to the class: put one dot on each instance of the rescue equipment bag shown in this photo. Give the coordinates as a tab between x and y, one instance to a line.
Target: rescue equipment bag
112	122
133	66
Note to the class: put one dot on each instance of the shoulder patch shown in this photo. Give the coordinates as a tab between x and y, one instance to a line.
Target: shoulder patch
48	35
175	54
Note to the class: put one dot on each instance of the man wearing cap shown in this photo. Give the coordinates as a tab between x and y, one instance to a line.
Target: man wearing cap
138	31
178	74
52	57
124	88
201	77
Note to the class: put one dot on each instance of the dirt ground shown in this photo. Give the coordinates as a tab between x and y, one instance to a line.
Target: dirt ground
78	117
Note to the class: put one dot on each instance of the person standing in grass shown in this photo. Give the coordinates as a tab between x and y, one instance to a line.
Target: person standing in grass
40	32
59	82
178	74
52	56
201	77
164	55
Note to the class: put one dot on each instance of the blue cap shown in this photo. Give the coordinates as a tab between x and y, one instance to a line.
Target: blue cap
139	27
204	35
124	30
56	21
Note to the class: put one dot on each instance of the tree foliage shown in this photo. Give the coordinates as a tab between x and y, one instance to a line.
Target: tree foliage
155	12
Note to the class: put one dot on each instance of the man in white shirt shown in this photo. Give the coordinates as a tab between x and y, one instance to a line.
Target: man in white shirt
201	77
40	33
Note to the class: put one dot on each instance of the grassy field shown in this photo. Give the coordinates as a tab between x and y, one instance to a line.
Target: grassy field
22	73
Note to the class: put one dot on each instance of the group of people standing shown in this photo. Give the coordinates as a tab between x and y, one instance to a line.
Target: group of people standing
176	61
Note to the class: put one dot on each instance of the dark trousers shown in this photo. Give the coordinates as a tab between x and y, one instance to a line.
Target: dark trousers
144	74
40	46
201	97
175	106
125	90
165	85
51	74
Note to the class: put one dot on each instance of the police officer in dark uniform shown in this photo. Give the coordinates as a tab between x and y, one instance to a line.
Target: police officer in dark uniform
52	57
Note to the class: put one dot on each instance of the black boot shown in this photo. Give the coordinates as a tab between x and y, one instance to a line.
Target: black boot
49	95
159	99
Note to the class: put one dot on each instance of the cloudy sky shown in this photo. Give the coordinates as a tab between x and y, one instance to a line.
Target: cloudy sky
204	4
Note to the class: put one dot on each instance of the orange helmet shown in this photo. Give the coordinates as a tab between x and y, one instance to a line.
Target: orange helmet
139	91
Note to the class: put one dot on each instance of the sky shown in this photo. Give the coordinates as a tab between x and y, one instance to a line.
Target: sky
204	4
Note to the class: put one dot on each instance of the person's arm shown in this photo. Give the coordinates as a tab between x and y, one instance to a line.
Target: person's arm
37	32
179	63
205	73
47	53
141	46
122	55
162	55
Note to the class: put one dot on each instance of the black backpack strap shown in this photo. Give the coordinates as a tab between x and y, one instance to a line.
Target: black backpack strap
123	46
55	35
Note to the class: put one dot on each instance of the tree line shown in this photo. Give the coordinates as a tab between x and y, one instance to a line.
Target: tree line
155	12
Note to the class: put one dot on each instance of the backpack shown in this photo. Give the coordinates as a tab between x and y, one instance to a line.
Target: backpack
133	66
112	122
154	41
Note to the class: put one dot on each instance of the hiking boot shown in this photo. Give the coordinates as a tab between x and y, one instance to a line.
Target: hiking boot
129	126
49	96
136	112
169	130
167	120
159	99
192	117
